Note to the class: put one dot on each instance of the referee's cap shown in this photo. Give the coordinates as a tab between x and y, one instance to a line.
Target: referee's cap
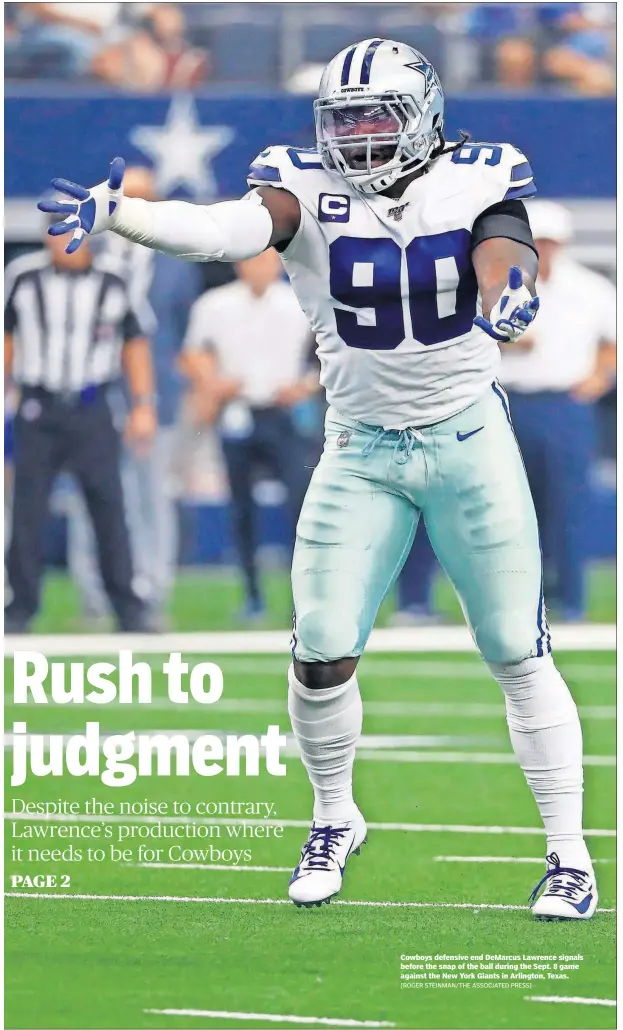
550	221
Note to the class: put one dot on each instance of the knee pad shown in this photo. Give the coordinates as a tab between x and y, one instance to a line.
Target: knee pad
506	644
322	635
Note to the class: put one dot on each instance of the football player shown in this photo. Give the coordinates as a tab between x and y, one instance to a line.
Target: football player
412	258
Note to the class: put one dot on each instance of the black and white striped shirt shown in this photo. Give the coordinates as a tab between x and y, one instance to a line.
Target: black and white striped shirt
68	327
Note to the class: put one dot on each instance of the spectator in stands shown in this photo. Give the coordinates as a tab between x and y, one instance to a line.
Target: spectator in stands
554	376
563	42
156	57
245	355
580	45
70	329
163	289
515	64
72	34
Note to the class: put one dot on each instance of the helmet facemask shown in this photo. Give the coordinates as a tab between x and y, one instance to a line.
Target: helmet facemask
374	140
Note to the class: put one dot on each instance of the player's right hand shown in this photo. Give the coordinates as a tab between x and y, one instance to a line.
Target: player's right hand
90	211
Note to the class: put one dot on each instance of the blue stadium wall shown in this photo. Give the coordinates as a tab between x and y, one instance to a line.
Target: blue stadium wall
570	142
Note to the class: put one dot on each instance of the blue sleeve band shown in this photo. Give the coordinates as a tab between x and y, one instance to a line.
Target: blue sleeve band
264	173
515	192
522	171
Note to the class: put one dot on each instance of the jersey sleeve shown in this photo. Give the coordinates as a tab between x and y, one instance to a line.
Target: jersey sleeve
201	316
298	170
492	173
518	177
285	167
608	311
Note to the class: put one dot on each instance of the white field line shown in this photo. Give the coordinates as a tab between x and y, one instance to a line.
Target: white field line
212	865
379	665
367	742
288	869
371	747
289	823
40	896
475	710
266	1017
456	639
420	668
462	757
574	1001
278	706
495	859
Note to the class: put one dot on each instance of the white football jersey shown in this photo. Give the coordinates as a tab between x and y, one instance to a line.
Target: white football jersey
388	284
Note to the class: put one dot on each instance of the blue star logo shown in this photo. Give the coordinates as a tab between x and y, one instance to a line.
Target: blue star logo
421	65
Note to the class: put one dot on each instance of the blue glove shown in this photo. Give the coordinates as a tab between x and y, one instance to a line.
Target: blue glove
513	313
90	211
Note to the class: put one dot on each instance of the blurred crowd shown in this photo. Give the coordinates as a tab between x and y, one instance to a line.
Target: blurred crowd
147	47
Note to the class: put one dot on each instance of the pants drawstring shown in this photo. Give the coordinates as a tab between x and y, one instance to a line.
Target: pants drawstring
403	447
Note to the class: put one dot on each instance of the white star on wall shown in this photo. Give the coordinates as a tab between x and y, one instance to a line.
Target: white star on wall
182	149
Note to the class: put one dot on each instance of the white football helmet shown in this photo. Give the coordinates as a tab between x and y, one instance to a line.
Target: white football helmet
379	113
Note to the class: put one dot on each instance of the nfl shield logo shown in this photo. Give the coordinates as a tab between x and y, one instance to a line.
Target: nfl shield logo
344	438
396	212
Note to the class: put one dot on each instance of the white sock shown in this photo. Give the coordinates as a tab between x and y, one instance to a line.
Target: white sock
327	724
547	740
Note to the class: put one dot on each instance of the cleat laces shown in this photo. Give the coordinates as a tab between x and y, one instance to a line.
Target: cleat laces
562	881
319	850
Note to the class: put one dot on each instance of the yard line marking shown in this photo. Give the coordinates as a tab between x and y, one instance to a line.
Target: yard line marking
288	823
370	742
457	639
416	668
372	747
462	757
378	664
212	1014
214	865
575	1001
473	669
266	1018
500	858
278	706
266	901
474	710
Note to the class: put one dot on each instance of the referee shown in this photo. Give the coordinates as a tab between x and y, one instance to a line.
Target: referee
245	353
70	331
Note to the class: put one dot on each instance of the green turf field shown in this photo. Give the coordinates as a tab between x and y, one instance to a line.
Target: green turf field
434	761
209	599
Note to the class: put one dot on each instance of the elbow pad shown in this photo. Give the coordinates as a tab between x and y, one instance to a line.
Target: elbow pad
229	231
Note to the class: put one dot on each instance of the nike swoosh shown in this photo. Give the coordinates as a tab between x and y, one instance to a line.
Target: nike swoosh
465	436
583	906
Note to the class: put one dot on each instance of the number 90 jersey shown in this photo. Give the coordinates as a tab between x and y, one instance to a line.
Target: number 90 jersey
388	284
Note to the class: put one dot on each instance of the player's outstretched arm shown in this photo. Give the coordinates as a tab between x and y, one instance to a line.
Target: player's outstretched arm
228	231
506	272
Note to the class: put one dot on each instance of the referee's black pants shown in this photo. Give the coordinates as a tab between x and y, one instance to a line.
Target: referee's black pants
274	442
54	432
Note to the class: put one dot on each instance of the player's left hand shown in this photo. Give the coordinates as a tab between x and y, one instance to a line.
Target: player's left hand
514	311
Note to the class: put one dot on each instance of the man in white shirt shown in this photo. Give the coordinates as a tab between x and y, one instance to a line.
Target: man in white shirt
554	375
246	353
